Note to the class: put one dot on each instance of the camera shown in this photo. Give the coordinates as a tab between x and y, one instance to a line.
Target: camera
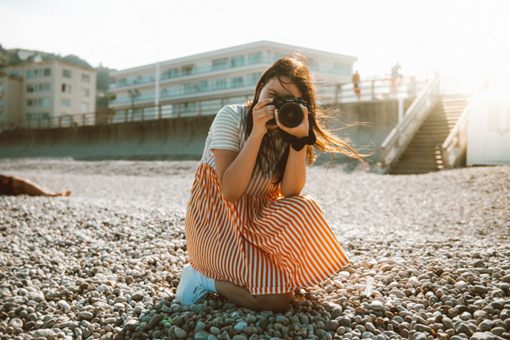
290	113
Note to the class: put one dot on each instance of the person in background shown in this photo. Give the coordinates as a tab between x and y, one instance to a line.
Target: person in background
396	76
355	82
12	186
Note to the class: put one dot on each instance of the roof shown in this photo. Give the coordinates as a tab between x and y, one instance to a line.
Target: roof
238	48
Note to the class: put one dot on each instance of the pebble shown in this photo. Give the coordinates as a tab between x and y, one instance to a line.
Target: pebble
106	263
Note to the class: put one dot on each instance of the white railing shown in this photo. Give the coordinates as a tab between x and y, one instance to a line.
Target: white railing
377	89
455	145
398	139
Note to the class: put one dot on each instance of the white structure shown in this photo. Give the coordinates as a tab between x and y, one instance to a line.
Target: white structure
488	138
203	83
53	88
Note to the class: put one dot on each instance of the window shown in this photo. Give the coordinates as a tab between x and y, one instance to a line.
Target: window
172	73
45	102
219	64
44	87
220	84
15	74
187	70
188	88
30	88
65	102
237	82
66	88
85	78
85	92
237	61
30	74
255	58
84	107
253	78
66	73
202	86
30	102
47	72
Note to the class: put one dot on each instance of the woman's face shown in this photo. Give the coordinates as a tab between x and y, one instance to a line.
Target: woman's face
282	86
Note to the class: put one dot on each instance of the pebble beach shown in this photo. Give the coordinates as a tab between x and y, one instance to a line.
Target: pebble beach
430	257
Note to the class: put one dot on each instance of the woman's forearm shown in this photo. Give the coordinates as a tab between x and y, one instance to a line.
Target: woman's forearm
294	177
237	175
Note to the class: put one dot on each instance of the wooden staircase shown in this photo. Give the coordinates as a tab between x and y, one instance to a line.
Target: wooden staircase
423	154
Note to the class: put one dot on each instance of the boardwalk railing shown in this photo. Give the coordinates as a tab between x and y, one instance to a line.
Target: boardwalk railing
398	139
371	90
455	145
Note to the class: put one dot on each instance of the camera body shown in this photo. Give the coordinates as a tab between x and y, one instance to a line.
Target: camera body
290	113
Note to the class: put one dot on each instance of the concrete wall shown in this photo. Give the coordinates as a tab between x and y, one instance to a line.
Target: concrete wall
181	138
177	138
364	126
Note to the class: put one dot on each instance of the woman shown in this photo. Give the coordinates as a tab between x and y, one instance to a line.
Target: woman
251	236
11	185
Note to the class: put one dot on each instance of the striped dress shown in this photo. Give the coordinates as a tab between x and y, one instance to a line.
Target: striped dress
263	242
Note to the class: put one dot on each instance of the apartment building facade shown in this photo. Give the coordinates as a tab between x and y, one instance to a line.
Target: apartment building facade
10	102
203	83
52	89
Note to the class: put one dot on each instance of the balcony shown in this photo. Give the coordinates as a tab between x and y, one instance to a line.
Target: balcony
181	93
179	73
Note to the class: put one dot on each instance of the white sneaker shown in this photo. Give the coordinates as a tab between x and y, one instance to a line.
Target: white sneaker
190	288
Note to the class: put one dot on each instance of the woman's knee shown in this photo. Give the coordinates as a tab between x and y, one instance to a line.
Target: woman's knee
277	303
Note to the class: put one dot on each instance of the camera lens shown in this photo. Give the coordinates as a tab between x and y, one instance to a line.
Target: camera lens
290	114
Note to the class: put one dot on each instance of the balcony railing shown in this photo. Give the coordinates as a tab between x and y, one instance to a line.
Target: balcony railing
180	93
198	70
201	70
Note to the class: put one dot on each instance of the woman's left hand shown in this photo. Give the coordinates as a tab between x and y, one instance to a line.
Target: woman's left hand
299	131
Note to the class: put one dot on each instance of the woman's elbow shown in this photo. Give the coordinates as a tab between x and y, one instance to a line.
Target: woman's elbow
288	194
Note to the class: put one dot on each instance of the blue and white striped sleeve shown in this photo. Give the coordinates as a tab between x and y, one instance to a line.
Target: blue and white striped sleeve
225	130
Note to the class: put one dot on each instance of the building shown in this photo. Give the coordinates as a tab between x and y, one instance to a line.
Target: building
53	92
203	83
10	102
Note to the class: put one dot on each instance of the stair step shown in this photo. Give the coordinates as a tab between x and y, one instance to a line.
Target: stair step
430	140
431	153
431	131
424	149
420	161
418	165
434	134
440	120
412	172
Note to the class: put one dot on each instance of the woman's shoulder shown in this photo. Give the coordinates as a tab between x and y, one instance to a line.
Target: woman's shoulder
235	108
234	111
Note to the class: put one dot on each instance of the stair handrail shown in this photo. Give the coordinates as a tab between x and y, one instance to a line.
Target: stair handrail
402	134
455	144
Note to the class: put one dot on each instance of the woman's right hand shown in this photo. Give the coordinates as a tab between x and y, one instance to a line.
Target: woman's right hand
262	113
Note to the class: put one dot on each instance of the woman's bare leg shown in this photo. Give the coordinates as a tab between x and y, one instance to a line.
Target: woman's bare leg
22	186
242	298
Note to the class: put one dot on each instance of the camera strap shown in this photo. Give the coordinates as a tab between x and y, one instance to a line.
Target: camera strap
298	143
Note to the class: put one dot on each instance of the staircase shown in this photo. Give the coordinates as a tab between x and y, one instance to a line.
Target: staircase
424	153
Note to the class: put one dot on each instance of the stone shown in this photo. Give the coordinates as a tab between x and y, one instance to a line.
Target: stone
180	333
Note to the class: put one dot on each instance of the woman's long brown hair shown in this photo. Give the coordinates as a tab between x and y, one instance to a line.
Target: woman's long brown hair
270	160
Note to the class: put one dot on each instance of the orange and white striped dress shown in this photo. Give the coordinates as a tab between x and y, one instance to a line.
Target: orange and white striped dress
264	242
